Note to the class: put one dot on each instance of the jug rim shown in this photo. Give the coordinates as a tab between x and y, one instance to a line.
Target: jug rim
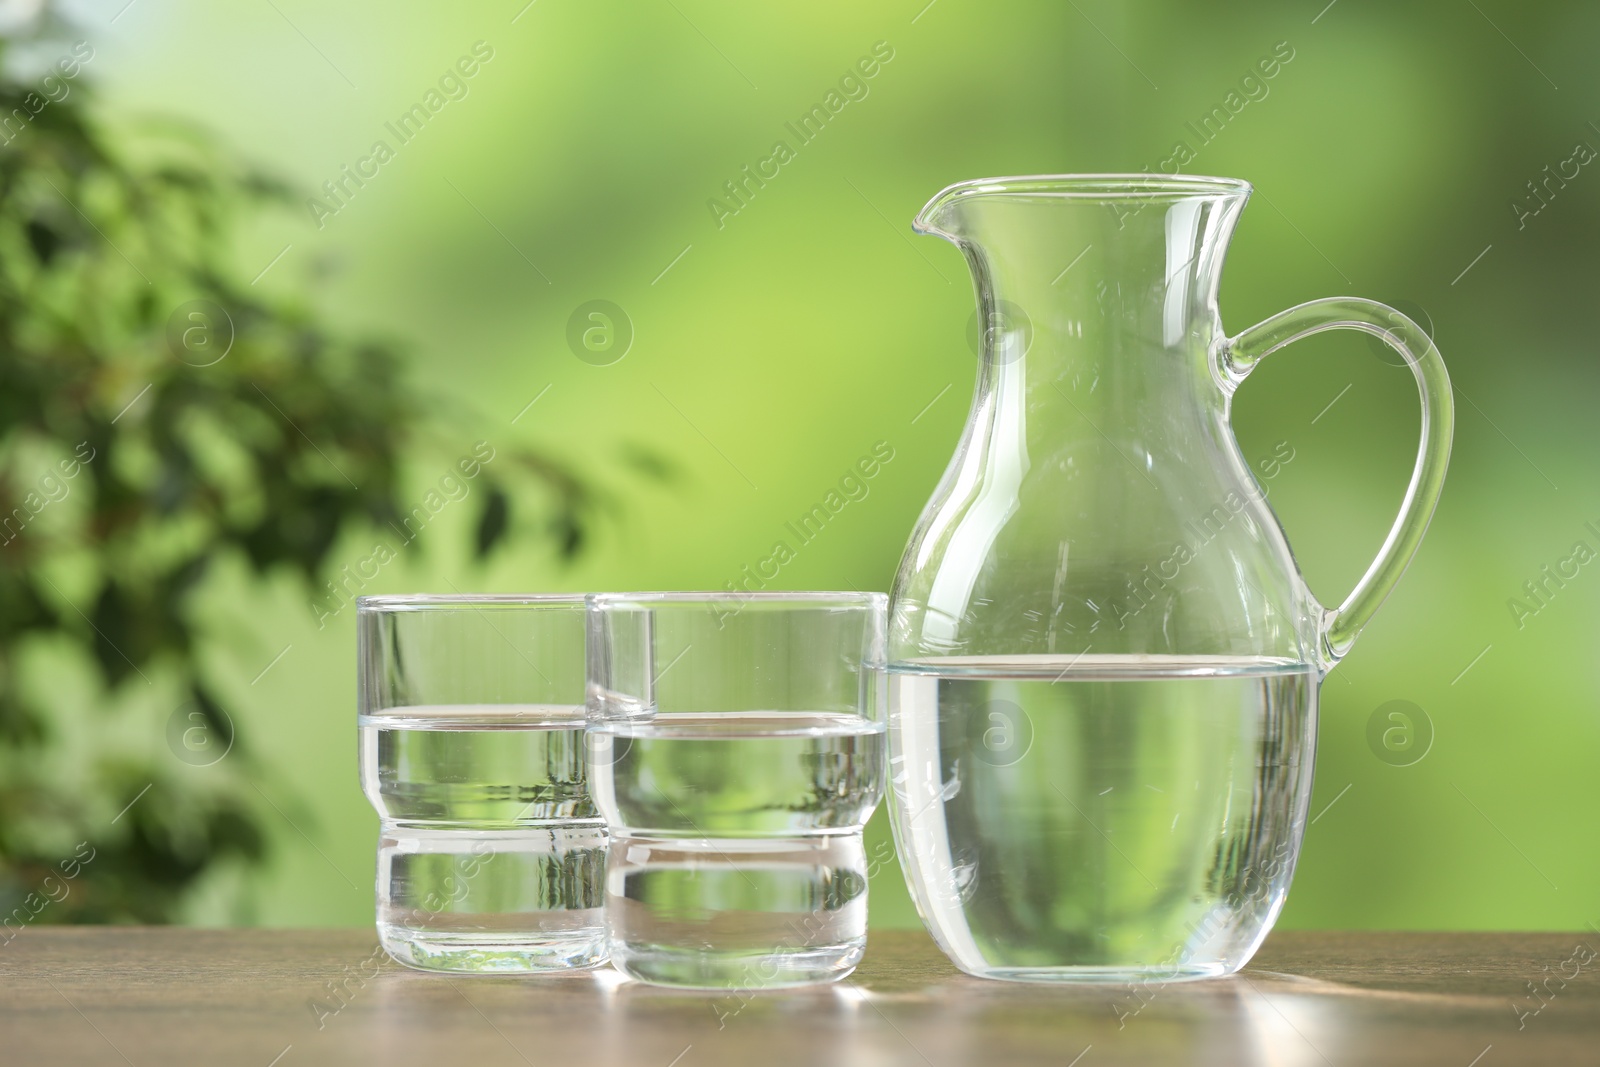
1088	187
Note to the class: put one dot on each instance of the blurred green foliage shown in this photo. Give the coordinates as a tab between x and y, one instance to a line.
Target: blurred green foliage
771	352
160	417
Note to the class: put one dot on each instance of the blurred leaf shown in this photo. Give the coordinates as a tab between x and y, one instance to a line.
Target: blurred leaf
44	240
650	463
493	522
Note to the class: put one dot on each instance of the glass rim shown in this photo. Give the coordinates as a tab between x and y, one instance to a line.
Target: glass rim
1089	187
458	601
804	598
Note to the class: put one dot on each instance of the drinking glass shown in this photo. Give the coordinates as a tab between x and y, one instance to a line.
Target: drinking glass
736	749
491	854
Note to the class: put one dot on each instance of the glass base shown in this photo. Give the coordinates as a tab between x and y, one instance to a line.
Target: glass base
729	913
493	901
1152	976
664	965
484	953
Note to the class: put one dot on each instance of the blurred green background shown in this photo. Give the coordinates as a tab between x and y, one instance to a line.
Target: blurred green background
773	347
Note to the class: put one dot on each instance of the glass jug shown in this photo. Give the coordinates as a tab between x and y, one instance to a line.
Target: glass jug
1104	661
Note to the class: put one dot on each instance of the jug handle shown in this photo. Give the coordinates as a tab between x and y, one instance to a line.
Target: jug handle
1239	356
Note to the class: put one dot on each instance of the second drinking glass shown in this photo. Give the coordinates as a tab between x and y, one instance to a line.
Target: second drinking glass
736	747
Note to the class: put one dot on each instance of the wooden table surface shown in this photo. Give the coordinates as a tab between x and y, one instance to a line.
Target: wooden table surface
257	998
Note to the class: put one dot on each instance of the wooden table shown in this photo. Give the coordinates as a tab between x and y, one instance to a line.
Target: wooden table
254	998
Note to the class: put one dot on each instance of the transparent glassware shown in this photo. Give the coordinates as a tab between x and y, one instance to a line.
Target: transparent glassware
491	855
736	749
1103	659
